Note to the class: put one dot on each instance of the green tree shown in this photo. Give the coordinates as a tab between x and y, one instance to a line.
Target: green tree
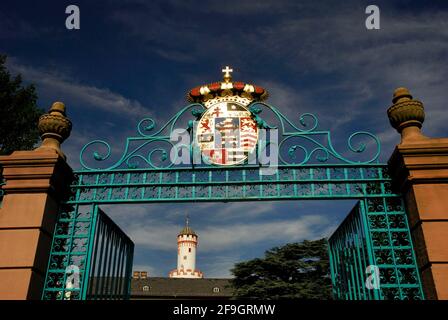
19	113
293	271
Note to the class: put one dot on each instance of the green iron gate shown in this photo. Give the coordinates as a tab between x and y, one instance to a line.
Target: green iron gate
90	258
373	244
309	168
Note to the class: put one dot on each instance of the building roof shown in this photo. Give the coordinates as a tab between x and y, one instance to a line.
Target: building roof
170	288
187	230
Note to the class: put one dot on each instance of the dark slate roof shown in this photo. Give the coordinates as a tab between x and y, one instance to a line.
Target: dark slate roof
170	288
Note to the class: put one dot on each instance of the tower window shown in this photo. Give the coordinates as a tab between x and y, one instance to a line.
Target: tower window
185	257
189	249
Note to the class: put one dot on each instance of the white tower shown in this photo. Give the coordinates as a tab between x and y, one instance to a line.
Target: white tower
187	241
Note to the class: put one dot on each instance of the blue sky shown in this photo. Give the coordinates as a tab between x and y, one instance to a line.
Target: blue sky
134	59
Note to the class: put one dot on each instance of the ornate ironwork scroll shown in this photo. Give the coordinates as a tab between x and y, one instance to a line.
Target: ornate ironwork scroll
299	144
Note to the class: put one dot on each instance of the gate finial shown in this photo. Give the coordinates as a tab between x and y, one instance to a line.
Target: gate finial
54	127
406	115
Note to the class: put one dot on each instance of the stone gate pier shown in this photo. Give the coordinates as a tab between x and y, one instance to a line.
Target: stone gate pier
419	167
36	183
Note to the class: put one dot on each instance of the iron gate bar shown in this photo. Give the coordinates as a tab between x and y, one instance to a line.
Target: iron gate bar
98	233
110	275
91	243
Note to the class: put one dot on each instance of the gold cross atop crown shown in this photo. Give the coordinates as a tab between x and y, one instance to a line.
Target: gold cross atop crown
227	76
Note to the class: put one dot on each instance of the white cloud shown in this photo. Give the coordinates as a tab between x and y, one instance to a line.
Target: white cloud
218	266
239	210
161	236
307	39
154	236
231	236
57	86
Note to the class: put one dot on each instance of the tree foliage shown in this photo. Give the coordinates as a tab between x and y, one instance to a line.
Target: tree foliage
19	113
293	271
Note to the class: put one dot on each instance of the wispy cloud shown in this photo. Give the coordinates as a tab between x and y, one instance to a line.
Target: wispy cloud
219	267
306	227
329	61
52	83
12	26
160	236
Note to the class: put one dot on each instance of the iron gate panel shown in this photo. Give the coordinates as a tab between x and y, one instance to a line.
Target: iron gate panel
90	258
376	235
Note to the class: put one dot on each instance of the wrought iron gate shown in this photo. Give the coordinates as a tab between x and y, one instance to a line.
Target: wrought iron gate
372	256
145	174
91	257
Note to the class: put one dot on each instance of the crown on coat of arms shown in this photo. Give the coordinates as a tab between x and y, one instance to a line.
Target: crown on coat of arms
205	93
226	132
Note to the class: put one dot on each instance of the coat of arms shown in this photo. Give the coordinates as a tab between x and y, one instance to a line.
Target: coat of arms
226	133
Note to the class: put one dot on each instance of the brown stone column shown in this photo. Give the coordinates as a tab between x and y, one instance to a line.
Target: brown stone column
419	166
36	183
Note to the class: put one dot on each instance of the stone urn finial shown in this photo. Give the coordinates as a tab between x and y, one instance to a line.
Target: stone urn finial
54	128
406	115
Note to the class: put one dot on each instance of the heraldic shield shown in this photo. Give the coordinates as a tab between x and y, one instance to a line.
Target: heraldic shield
226	133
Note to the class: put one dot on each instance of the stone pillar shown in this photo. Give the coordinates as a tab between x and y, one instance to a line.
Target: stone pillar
419	167
36	182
